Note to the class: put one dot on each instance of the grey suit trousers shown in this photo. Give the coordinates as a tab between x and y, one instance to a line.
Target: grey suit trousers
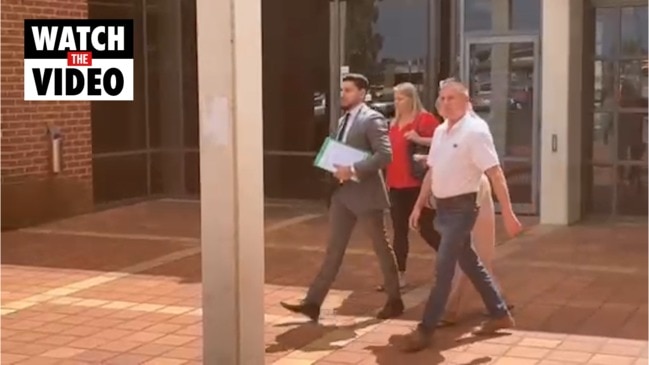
342	221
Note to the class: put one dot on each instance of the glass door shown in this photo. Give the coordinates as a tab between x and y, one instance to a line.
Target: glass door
502	73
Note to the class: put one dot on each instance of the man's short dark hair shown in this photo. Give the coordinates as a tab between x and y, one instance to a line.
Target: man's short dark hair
360	81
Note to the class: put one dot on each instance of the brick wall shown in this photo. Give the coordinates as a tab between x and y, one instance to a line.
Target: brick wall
31	193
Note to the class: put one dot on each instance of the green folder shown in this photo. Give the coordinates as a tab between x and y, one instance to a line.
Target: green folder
334	152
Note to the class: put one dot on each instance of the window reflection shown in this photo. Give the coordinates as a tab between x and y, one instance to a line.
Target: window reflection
603	134
502	93
526	14
165	81
606	31
166	176
519	180
295	52
119	177
620	118
163	48
633	84
632	137
387	41
634	31
502	15
119	126
601	199
632	190
605	97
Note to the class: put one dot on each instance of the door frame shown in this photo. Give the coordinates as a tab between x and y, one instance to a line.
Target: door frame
521	208
335	61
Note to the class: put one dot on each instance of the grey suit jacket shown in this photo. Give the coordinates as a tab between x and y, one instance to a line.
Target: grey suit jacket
368	132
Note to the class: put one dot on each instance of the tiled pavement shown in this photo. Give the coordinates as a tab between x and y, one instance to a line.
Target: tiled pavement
123	287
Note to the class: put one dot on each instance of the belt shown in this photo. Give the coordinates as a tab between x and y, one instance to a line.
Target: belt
458	201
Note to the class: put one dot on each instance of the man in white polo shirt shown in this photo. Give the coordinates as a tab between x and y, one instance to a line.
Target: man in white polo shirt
461	150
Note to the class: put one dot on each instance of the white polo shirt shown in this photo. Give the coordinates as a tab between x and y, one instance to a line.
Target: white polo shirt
458	157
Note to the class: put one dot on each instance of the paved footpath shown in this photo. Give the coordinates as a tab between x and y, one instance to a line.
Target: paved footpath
123	287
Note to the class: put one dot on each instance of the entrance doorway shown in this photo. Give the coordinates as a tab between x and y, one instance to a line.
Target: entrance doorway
503	77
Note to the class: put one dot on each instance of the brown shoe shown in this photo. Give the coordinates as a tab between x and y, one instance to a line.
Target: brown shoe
493	325
415	341
393	308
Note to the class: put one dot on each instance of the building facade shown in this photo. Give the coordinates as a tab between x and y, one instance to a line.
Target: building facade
563	85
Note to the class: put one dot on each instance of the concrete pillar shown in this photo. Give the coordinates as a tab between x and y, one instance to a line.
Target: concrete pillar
561	114
500	74
231	166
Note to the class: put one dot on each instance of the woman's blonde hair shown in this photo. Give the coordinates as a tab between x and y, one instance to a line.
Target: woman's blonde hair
410	91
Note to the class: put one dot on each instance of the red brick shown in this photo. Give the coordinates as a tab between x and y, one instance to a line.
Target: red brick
25	146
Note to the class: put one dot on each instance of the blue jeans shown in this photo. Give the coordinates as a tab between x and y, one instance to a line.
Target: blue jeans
455	225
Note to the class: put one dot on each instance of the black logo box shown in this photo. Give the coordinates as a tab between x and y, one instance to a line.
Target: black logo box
32	53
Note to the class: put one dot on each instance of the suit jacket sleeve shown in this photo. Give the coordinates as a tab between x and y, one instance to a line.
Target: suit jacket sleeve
377	133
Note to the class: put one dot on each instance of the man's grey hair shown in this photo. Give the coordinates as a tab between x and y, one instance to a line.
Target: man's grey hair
455	85
460	88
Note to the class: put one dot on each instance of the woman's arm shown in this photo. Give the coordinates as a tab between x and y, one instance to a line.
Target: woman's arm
424	141
427	125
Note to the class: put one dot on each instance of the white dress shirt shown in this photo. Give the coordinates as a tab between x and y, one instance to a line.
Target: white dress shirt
353	113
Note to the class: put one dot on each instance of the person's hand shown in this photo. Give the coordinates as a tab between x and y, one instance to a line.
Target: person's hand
343	173
412	136
413	221
512	225
429	203
420	158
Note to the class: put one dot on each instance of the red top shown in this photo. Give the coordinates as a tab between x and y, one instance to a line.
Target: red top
398	174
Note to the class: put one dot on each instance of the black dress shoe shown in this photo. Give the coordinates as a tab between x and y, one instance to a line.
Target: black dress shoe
391	309
307	309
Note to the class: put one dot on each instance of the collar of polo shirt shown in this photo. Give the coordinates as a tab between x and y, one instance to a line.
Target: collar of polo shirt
446	126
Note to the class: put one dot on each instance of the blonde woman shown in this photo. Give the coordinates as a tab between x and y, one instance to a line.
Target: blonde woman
410	133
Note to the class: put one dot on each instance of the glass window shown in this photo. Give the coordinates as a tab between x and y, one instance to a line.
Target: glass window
607	32
280	181
192	174
519	180
119	177
164	69
120	125
502	92
632	190
526	14
502	15
632	137
604	95
634	31
166	173
190	73
601	200
603	137
633	84
387	41
295	71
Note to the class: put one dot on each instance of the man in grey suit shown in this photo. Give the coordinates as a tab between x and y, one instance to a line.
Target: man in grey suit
359	195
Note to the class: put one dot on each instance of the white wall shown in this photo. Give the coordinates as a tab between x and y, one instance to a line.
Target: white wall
561	99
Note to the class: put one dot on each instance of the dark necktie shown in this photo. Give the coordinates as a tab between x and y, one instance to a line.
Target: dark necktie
343	127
